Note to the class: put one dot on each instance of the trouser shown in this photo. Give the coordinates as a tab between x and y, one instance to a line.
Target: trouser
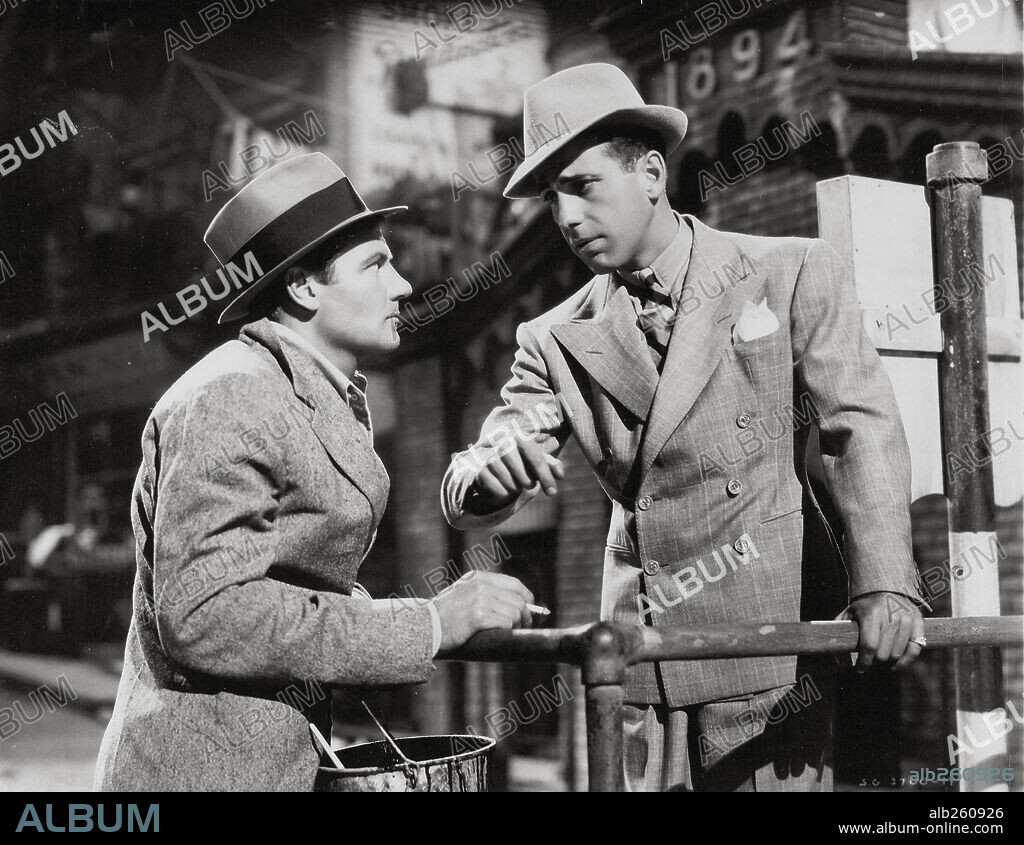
779	740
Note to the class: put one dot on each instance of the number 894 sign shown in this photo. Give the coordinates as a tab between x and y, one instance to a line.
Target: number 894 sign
703	58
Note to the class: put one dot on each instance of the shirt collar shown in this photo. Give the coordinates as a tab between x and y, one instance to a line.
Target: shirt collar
336	377
670	266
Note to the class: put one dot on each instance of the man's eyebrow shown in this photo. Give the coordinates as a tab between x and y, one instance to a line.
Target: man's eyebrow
567	179
377	255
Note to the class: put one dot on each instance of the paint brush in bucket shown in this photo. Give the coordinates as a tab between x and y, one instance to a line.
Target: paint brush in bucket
325	745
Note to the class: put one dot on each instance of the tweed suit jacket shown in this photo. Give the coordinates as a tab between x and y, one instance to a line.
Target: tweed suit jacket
258	496
713	520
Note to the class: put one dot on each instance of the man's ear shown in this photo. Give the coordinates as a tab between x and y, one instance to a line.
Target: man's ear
298	283
654	169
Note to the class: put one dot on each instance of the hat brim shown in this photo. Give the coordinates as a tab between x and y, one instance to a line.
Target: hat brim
670	123
239	306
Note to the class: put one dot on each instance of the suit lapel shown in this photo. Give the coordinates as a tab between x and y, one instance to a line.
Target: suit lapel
333	422
719	276
608	344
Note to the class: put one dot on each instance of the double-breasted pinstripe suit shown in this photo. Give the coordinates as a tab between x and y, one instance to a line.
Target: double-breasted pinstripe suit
712	517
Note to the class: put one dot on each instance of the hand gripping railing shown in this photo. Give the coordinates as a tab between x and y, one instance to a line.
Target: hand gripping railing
603	650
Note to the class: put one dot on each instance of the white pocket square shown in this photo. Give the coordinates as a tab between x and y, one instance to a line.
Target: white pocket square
755	321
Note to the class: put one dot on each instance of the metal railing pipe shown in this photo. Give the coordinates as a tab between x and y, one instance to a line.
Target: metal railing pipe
680	642
603	650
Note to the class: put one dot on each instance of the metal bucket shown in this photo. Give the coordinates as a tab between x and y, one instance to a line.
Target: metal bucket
447	763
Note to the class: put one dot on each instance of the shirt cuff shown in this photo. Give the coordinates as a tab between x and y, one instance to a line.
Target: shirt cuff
396	605
435	622
460	486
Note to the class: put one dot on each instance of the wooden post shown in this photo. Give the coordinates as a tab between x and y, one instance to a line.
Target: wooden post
955	173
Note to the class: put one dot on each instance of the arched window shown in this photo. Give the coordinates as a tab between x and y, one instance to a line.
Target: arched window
820	153
732	134
688	197
773	143
912	168
870	154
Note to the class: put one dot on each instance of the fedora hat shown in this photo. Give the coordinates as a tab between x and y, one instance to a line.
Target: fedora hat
567	103
281	215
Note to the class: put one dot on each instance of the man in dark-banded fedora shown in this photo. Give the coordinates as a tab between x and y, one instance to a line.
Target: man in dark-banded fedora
690	370
257	499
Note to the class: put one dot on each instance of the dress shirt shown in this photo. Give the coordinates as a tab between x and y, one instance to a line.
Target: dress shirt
670	267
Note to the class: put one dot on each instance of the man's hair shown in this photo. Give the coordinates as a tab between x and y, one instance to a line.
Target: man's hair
627	144
271	302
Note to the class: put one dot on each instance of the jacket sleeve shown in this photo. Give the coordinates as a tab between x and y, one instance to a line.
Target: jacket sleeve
863	445
215	533
530	408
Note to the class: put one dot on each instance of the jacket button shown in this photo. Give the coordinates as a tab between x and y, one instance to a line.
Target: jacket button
644	502
652	567
733	488
743	420
742	545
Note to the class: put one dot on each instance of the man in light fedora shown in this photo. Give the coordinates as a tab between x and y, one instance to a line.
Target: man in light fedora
689	370
257	499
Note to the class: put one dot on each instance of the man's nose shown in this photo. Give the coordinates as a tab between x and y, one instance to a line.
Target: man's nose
400	288
568	213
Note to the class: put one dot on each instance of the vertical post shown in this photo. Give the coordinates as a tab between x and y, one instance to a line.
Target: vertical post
955	172
603	661
474	682
604	737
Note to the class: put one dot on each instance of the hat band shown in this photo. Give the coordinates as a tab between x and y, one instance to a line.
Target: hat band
302	224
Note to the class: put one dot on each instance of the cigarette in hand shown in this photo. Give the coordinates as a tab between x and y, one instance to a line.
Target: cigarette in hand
536	608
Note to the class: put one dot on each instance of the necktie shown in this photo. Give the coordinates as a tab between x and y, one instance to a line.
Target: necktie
657	314
357	402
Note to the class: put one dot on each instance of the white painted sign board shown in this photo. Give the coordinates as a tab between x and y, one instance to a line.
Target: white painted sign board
883	229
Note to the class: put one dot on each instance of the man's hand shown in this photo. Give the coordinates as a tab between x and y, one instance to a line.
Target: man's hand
478	601
506	473
887	622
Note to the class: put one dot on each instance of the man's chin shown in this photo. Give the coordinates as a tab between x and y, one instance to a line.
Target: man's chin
380	347
599	263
